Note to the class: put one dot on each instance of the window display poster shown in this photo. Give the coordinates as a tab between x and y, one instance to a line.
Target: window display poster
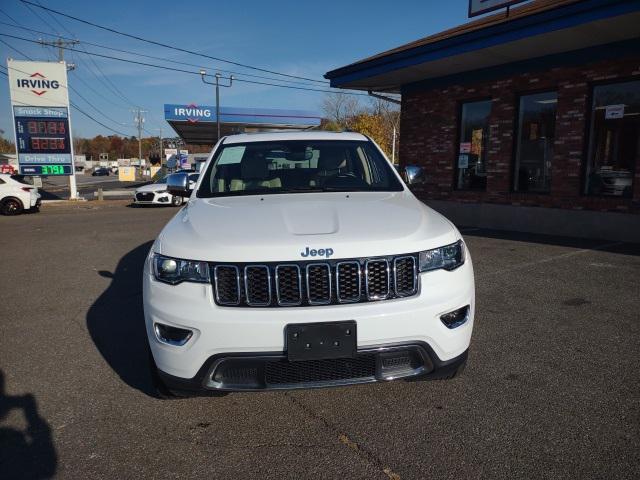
613	112
476	142
465	147
463	160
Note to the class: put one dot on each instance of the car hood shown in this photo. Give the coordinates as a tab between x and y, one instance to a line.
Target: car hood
282	227
152	187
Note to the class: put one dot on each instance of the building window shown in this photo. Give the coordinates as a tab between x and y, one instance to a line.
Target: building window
471	162
534	147
614	139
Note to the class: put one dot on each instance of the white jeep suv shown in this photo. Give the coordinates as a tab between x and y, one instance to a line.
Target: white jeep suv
303	260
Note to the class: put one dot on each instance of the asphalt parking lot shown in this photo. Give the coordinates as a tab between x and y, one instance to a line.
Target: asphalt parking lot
551	390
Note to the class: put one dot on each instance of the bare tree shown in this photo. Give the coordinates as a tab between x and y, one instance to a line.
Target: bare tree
341	108
389	115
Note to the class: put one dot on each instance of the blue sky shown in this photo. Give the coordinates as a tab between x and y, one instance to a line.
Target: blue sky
295	37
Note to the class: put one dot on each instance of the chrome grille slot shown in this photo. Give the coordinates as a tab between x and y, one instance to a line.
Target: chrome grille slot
318	283
288	284
348	282
404	276
377	279
227	284
257	285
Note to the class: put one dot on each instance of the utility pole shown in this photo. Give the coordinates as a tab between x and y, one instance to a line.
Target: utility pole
61	44
203	74
139	119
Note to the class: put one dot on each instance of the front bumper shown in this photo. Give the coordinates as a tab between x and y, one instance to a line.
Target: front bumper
272	371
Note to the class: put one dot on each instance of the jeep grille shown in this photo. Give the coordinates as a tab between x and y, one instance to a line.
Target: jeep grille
315	283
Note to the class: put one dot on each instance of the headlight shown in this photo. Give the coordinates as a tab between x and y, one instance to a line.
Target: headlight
448	257
173	270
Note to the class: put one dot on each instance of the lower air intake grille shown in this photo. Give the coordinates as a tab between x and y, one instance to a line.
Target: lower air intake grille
320	371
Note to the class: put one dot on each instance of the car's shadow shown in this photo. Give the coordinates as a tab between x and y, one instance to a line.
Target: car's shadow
116	322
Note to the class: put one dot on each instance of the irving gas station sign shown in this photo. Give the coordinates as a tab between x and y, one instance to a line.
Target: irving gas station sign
40	105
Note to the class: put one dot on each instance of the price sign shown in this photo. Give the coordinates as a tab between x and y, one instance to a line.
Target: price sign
43	141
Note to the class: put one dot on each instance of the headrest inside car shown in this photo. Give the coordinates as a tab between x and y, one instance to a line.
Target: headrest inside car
331	158
254	166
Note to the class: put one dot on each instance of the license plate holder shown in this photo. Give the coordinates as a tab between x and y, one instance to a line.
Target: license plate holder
323	340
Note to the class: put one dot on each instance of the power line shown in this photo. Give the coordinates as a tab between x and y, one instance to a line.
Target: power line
107	82
98	121
41	19
97	92
93	106
173	69
153	42
61	44
16	50
8	16
154	57
55	19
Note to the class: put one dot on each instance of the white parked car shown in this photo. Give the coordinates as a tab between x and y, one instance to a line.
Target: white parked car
16	195
303	260
156	193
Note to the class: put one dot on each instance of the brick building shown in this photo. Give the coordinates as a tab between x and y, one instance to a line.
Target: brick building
527	122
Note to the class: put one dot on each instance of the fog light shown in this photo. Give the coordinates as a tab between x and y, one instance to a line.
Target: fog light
172	335
456	318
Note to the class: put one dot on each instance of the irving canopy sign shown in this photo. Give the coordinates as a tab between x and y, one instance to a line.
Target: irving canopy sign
40	106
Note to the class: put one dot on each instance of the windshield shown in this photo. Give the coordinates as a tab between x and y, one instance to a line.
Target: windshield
162	180
297	166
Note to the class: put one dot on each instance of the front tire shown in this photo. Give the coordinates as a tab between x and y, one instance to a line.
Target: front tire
11	206
176	201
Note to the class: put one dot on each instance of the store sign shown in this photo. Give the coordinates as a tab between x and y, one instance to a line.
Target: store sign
478	7
169	152
613	112
40	106
191	113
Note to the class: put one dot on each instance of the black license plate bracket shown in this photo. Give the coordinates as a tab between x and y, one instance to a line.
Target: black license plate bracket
318	341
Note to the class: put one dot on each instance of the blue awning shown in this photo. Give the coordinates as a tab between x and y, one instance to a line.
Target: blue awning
551	29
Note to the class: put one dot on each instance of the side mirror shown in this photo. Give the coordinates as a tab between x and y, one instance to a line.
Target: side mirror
178	185
414	175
